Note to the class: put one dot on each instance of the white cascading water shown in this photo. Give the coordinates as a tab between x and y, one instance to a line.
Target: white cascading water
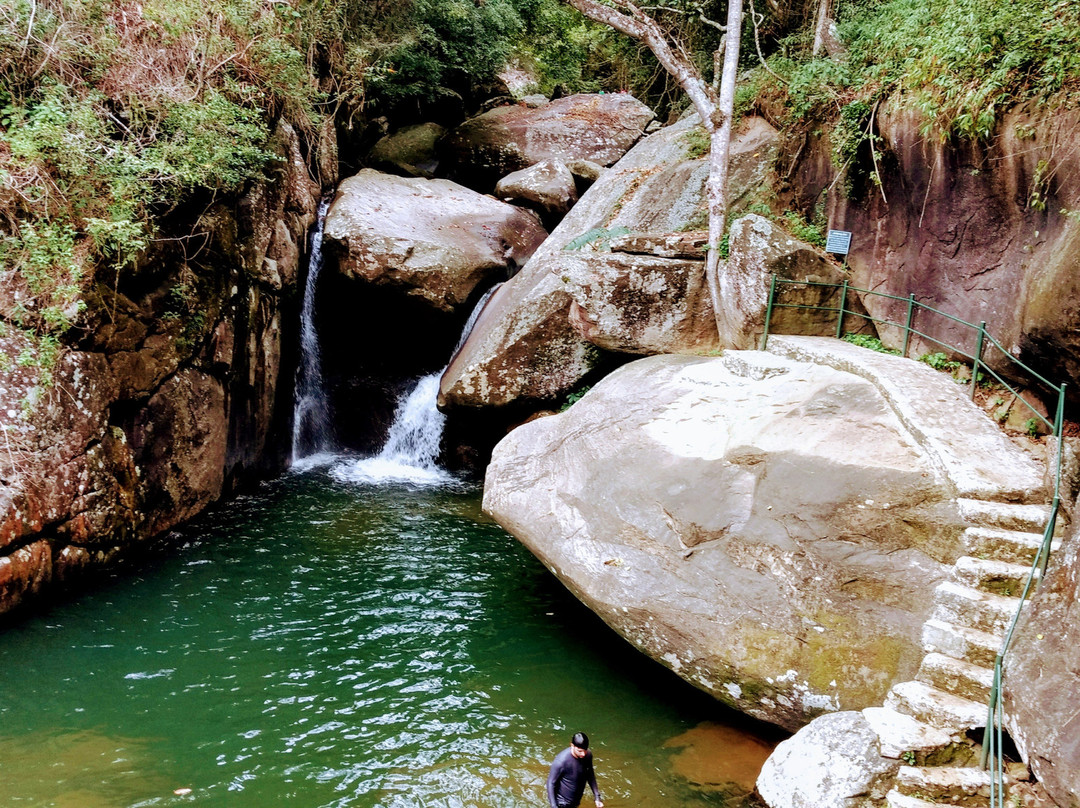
312	426
413	443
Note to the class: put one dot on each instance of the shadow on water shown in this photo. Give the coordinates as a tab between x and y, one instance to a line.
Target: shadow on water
332	643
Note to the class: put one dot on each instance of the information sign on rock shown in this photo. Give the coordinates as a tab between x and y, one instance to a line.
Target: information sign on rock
838	242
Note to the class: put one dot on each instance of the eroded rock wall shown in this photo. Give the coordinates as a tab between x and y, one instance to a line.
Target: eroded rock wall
172	398
984	231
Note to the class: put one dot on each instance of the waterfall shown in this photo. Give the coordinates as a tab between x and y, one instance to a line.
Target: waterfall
413	442
311	411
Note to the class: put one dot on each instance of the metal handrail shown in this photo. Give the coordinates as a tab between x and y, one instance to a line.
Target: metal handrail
913	307
992	756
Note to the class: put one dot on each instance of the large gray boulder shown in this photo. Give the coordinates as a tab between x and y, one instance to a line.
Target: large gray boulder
657	188
760	250
434	239
833	762
770	529
547	187
599	128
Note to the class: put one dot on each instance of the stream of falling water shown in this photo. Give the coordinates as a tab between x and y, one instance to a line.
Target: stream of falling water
412	447
312	425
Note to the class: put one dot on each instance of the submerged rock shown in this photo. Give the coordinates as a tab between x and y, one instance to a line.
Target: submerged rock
770	529
436	240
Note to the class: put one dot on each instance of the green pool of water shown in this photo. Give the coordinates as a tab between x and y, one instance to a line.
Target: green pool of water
326	644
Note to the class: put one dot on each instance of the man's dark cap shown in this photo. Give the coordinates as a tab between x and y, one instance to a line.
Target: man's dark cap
580	740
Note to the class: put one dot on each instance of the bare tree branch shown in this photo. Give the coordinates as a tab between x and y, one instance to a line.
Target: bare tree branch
628	19
757	20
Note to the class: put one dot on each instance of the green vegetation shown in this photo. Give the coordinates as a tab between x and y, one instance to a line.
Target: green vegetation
960	63
873	343
599	237
803	230
697	142
575	397
115	117
940	361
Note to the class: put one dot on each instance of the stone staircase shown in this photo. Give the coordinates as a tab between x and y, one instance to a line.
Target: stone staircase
972	611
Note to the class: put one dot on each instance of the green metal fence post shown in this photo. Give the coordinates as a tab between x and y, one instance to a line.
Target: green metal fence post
768	311
907	326
840	315
977	358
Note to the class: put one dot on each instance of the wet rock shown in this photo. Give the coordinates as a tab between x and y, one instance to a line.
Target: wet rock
180	440
434	239
130	438
599	128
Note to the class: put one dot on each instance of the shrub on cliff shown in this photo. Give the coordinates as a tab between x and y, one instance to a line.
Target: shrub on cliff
114	114
960	62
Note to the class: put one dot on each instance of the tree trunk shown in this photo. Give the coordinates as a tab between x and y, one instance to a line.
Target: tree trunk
714	107
821	29
720	153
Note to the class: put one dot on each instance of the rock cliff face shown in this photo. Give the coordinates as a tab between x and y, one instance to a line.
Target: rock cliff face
1042	674
171	400
987	233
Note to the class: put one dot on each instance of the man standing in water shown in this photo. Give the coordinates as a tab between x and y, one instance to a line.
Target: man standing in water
570	771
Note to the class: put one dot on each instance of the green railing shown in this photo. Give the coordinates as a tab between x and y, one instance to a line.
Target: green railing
992	755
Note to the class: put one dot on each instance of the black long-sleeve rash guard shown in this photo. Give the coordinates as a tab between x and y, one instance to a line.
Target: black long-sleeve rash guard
568	777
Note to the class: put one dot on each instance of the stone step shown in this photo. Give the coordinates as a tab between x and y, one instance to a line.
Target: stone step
956	676
895	799
900	735
967	786
1005	515
964	606
989	575
1003	545
936	707
962	642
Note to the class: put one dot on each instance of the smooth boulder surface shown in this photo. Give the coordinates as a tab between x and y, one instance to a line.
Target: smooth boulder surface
835	761
434	239
767	528
657	188
410	151
599	128
547	187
